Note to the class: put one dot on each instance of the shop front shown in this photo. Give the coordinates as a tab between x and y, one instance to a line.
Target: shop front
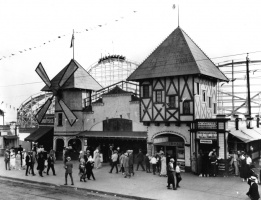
208	135
172	146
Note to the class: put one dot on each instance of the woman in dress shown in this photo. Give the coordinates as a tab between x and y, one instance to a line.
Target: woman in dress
96	156
12	159
163	171
18	161
23	159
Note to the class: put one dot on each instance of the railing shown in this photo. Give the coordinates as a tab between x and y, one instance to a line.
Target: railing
125	85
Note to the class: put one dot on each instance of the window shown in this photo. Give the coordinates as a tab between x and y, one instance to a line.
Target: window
158	96
60	119
186	107
209	102
215	108
197	88
146	91
173	101
204	95
117	124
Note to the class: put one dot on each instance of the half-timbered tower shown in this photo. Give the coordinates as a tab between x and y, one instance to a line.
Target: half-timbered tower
178	84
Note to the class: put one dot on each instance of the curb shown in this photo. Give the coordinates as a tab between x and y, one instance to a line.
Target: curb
76	188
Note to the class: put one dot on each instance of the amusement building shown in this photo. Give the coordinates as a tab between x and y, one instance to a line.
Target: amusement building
172	101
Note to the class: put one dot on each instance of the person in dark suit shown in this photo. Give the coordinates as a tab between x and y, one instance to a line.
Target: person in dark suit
147	162
140	158
29	163
68	170
40	162
110	154
50	162
7	159
253	190
89	167
131	162
171	174
20	150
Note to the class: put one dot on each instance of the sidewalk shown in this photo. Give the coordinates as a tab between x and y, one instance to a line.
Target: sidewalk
145	185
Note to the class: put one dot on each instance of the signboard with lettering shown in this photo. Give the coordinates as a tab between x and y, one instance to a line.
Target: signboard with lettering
207	125
207	135
160	140
206	141
48	120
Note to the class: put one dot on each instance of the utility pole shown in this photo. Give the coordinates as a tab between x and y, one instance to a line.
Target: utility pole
248	87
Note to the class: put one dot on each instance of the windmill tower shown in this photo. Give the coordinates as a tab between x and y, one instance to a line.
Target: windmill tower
72	88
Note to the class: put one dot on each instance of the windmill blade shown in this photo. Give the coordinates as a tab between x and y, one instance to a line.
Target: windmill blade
40	114
72	67
68	113
41	72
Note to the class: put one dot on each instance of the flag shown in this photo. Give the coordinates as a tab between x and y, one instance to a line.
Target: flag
173	6
72	41
2	102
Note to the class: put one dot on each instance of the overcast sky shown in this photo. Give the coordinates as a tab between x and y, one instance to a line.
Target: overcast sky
220	28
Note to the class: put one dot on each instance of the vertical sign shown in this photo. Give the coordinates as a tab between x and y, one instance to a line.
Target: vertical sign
221	141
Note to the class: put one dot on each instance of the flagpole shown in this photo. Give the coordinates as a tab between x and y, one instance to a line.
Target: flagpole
73	44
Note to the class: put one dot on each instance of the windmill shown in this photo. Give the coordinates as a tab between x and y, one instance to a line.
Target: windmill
57	92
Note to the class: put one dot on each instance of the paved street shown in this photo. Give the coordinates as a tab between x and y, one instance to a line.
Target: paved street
141	185
19	190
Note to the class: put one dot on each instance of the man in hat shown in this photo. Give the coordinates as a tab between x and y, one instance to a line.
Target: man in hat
140	158
114	159
7	159
131	162
68	170
171	174
29	163
20	150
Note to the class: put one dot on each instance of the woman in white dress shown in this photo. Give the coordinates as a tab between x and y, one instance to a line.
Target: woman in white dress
23	159
18	161
12	159
163	171
97	160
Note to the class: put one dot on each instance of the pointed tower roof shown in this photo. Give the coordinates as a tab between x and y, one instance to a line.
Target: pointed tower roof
177	55
80	79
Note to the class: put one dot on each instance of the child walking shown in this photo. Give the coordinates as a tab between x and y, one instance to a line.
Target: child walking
82	170
68	170
178	175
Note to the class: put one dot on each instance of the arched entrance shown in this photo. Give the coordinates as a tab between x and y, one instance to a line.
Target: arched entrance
172	145
75	146
59	148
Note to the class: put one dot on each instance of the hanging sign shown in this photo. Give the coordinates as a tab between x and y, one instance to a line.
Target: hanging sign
207	125
206	141
207	135
160	140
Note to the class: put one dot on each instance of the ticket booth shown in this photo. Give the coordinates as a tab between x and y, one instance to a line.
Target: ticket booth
209	134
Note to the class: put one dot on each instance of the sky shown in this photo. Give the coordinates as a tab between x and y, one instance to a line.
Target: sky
224	30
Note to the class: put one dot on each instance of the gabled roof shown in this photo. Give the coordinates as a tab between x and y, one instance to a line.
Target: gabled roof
177	55
117	90
80	79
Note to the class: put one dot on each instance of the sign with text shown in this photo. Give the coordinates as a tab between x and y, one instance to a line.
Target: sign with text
207	125
207	135
206	141
48	120
160	140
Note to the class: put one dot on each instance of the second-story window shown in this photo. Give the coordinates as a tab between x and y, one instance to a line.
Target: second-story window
215	108
186	107
197	88
60	119
204	95
173	101
146	91
209	102
158	96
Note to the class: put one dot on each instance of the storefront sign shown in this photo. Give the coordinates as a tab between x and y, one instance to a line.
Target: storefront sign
48	120
206	141
160	140
178	144
207	125
207	135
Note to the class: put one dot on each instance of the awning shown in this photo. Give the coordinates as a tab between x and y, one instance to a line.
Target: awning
10	136
247	135
114	134
40	132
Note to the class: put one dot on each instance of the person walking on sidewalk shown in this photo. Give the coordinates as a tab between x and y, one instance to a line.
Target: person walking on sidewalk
29	160
147	163
89	168
50	163
82	170
140	158
68	170
163	171
253	193
171	175
126	165
178	174
114	159
131	162
7	159
153	161
122	170
40	162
